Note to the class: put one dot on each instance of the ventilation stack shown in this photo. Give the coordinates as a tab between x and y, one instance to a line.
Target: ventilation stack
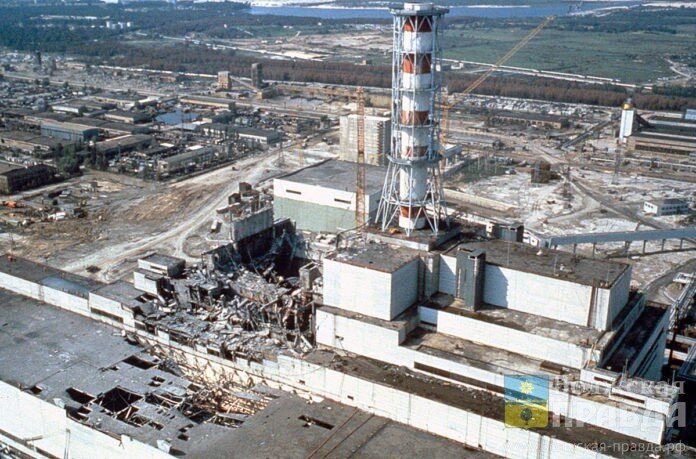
628	114
412	193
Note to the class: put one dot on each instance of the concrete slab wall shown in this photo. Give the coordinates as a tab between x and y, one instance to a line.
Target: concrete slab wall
512	340
643	424
19	285
253	224
368	291
362	338
65	300
544	296
141	281
448	274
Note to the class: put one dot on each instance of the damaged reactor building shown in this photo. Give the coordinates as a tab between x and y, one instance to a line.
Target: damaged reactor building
407	337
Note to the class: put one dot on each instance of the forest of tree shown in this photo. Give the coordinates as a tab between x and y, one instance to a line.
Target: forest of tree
204	60
22	28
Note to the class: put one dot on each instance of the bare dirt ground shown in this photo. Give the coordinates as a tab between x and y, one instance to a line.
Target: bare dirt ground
127	217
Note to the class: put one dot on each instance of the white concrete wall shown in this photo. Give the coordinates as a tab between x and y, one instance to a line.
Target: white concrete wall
361	338
65	300
19	285
106	305
368	291
619	295
544	296
26	416
509	339
448	274
142	282
324	196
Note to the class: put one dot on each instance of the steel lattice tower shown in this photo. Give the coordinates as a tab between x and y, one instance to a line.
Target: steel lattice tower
412	188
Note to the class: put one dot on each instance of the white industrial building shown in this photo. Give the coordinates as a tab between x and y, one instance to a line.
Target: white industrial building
666	207
322	197
377	138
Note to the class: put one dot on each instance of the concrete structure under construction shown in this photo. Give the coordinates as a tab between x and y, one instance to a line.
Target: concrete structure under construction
321	198
377	139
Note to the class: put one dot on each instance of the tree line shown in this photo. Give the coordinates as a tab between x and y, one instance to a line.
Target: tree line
204	60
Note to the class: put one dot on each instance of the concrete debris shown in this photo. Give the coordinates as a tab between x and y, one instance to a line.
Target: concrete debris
244	310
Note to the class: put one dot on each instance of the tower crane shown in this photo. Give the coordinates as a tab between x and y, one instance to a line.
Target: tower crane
447	106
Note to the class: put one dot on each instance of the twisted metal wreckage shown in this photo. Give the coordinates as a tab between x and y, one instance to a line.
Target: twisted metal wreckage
244	308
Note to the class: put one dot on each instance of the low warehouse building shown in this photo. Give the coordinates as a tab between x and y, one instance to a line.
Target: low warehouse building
186	160
666	207
14	179
68	131
31	143
261	138
123	144
322	197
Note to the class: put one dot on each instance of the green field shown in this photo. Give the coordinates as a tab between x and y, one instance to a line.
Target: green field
637	57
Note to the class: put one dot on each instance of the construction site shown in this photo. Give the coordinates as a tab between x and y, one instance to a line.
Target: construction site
214	266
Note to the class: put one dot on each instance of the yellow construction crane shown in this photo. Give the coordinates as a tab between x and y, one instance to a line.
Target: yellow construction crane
360	178
447	106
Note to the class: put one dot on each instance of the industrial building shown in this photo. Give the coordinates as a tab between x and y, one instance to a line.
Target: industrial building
537	120
194	157
672	135
71	132
28	142
131	117
321	198
377	139
666	207
14	179
258	138
118	145
124	101
209	101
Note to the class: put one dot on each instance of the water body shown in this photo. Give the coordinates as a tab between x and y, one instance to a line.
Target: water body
176	117
486	11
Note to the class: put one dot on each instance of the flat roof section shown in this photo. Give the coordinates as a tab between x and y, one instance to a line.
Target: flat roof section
49	350
553	263
380	257
46	275
338	175
52	351
477	401
163	260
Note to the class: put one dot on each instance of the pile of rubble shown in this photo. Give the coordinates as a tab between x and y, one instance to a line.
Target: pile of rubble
242	310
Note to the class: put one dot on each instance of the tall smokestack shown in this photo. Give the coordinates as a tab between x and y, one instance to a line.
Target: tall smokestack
412	188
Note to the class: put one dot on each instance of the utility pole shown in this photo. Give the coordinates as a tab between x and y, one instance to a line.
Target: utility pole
618	159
